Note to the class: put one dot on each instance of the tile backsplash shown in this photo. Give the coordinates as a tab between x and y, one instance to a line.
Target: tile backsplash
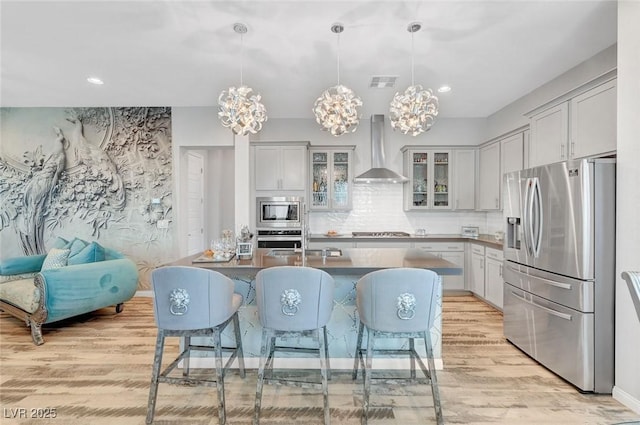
379	207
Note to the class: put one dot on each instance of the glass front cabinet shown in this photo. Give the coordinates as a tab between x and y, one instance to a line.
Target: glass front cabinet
331	177
429	182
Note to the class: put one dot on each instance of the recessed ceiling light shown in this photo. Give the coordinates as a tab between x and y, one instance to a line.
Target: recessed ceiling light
444	89
95	80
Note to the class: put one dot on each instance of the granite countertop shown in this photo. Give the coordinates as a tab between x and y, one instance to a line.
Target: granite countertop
484	239
354	261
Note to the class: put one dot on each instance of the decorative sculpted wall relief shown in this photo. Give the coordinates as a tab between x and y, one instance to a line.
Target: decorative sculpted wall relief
95	173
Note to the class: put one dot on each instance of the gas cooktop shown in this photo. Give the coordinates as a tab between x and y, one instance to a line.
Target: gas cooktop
380	234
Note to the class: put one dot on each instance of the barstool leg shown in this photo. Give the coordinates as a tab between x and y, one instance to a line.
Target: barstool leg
238	336
217	341
185	361
155	374
434	381
357	355
367	376
412	348
264	350
324	364
326	352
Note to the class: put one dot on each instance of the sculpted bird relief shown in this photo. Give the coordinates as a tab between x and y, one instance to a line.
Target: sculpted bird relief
37	193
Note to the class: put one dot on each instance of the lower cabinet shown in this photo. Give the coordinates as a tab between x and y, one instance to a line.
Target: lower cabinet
450	251
493	282
476	270
485	274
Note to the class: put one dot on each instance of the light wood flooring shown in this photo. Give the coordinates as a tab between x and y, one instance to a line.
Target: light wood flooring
95	369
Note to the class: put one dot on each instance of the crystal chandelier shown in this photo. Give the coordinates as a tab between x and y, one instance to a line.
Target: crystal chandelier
415	110
336	109
239	108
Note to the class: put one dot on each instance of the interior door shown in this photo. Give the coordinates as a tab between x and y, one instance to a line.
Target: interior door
195	203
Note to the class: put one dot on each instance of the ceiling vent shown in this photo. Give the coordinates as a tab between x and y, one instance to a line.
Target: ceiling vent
383	81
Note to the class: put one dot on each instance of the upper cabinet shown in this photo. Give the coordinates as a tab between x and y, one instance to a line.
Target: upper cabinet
582	125
439	178
280	168
593	121
429	181
495	159
331	177
489	177
464	179
512	153
549	135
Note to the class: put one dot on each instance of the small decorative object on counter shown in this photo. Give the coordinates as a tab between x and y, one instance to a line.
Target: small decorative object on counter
244	245
470	231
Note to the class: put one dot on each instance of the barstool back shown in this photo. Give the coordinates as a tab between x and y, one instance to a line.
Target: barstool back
397	300
192	298
293	298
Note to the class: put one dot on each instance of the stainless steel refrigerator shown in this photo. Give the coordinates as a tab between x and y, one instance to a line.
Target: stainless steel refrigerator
559	270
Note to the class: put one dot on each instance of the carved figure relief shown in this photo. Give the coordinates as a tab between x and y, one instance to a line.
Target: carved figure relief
95	173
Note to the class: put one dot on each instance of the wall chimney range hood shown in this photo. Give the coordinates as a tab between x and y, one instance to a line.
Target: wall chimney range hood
378	173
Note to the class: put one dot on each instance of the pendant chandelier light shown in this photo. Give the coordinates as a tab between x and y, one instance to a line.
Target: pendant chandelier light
238	108
336	109
415	110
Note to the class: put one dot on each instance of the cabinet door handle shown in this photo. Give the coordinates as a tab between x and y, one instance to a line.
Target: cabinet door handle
573	146
500	271
562	151
497	203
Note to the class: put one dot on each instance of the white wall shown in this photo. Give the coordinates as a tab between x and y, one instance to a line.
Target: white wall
627	380
512	116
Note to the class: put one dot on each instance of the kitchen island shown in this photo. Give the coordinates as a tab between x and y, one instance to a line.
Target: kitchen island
346	269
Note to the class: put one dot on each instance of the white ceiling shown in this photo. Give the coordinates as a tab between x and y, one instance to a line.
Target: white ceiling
184	53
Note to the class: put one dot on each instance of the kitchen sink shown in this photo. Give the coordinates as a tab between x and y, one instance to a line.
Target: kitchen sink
284	252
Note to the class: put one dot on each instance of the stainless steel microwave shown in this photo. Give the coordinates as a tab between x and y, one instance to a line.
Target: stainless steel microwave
279	211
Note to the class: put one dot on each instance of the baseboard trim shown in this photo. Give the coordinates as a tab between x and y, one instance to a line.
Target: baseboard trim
626	399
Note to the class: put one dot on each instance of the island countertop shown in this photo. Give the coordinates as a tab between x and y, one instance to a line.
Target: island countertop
353	261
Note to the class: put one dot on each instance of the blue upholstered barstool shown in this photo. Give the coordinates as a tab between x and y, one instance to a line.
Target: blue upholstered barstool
193	302
293	301
397	303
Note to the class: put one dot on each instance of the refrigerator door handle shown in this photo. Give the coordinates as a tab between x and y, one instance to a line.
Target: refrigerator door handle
541	307
536	200
527	215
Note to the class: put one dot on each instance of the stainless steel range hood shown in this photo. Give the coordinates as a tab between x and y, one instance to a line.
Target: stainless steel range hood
378	173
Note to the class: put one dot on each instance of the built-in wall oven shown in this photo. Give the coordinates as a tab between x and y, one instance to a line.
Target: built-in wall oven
279	221
280	238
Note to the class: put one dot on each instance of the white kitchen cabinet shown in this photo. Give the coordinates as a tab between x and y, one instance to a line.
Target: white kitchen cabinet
280	167
593	121
583	125
428	172
331	178
450	251
549	135
512	153
476	271
490	177
464	179
493	282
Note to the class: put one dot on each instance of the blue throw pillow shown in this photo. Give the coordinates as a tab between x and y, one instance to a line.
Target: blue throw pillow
91	253
75	246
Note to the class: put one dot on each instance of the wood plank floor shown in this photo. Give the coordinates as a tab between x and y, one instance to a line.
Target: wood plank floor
96	369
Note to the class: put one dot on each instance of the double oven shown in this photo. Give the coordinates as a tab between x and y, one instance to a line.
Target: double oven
279	221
